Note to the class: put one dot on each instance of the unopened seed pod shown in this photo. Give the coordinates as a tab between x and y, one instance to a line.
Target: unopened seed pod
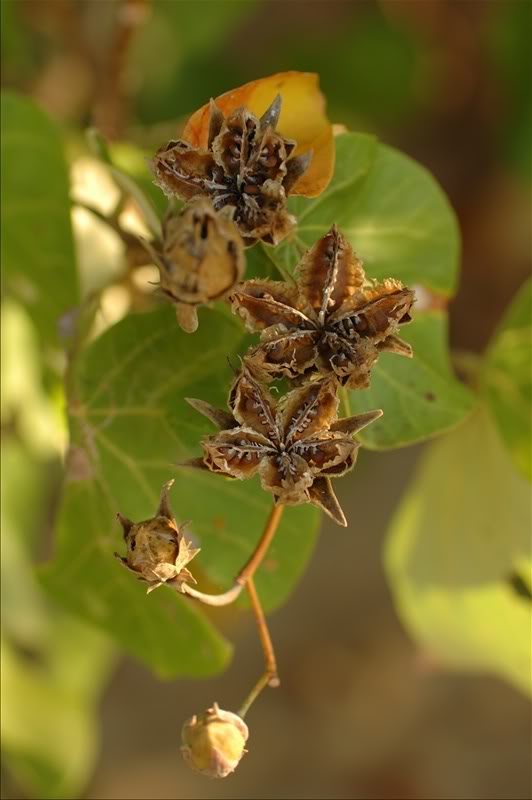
214	742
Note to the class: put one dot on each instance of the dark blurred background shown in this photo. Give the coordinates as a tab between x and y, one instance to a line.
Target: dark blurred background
361	713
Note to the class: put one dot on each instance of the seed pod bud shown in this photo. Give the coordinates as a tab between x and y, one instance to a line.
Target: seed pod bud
157	551
214	742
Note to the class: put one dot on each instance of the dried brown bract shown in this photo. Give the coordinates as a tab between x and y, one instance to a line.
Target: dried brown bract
296	445
246	166
157	551
200	258
332	322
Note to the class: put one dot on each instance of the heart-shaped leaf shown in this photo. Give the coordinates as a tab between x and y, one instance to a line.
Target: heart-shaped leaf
392	211
456	552
420	397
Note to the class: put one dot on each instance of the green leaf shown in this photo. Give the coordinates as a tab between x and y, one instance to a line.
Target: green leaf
23	497
355	154
455	546
165	631
390	208
132	424
37	247
420	397
507	379
49	716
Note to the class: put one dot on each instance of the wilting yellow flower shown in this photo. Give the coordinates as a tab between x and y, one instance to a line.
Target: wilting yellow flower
303	119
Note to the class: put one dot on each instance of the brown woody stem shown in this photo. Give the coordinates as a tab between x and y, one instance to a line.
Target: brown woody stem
264	635
269	677
252	696
249	568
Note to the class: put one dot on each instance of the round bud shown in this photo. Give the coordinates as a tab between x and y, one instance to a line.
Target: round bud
213	742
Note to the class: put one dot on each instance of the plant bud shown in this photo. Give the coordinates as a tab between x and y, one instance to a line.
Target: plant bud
157	551
214	742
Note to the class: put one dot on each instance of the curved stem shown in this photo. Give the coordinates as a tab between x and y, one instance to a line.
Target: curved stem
249	568
252	696
254	562
214	599
270	661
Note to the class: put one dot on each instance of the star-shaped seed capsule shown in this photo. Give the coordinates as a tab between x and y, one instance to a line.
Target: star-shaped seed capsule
246	165
157	551
332	322
296	445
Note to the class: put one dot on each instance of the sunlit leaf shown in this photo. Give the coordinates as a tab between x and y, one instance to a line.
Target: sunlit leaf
455	551
37	249
392	211
507	379
420	397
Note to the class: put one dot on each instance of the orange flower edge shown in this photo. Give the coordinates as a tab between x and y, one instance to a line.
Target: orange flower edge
303	118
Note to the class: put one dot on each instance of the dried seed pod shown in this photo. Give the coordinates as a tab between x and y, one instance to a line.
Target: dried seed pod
200	259
303	119
247	167
157	551
333	322
213	743
296	445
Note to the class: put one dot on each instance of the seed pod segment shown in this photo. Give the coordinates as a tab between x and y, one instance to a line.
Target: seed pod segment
334	322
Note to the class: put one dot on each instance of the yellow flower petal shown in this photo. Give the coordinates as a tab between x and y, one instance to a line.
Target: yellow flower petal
303	118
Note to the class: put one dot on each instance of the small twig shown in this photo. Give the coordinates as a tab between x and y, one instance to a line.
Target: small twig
136	246
110	221
214	599
264	635
249	568
252	696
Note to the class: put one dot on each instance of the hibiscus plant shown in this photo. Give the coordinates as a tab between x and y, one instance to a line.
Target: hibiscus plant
310	269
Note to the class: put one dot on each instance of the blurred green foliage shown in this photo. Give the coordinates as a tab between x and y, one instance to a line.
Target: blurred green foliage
37	244
458	541
508	380
456	545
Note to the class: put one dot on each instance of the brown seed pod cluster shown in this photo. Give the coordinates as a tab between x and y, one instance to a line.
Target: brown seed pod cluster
323	334
247	166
